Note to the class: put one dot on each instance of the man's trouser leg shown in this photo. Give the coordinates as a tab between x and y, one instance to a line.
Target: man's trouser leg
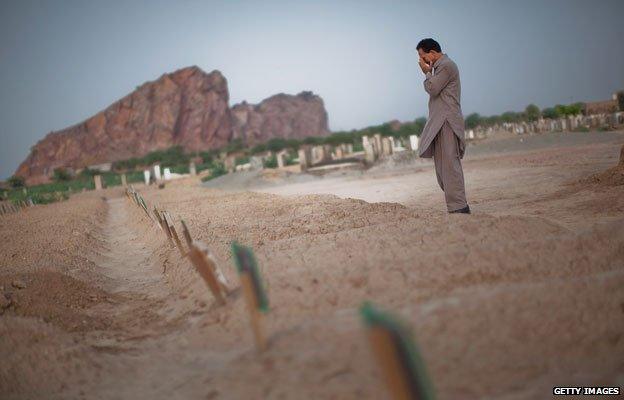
448	168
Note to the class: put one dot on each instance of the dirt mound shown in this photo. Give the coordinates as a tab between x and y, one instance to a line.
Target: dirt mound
611	177
54	297
41	361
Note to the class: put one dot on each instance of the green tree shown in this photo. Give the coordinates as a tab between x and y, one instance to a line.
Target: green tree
492	120
561	110
206	156
276	144
473	120
575	109
510	116
88	173
16	181
259	148
620	99
61	175
270	162
338	138
532	112
234	146
313	140
293	143
550	112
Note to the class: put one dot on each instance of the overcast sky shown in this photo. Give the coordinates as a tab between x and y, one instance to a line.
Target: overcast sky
63	61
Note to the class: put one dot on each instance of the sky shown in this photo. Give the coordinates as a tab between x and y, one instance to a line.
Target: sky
63	61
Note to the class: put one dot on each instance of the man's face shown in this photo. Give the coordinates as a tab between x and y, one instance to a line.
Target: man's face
428	57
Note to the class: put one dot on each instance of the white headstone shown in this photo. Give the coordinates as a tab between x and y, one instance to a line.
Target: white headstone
167	172
255	162
413	142
377	141
192	169
281	159
369	153
146	176
305	157
157	175
386	146
98	182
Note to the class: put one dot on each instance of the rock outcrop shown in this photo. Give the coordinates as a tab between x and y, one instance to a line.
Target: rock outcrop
281	115
188	107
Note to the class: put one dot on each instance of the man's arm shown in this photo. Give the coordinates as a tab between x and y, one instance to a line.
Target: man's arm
435	83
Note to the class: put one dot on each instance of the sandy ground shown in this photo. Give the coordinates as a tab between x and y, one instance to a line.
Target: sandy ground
525	294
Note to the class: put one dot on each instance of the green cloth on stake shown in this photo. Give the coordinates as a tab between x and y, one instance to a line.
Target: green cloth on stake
413	364
246	263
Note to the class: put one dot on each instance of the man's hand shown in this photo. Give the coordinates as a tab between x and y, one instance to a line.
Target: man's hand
424	66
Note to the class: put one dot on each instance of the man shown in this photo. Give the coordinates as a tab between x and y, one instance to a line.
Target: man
443	135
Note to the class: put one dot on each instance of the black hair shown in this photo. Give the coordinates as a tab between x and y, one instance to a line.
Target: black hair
429	44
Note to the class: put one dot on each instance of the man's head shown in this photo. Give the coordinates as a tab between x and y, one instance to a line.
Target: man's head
429	50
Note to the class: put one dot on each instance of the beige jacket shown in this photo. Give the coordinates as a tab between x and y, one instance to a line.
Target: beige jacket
444	90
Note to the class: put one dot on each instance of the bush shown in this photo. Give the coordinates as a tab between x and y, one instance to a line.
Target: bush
550	112
270	162
217	169
172	156
180	169
276	144
61	175
207	156
202	167
234	146
16	181
532	112
241	161
290	159
314	140
111	179
259	148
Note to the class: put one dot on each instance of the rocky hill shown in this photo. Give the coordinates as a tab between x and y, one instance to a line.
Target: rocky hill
188	107
281	115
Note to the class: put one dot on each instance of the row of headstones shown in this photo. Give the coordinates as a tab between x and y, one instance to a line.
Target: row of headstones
8	207
99	184
147	175
166	173
375	148
310	156
544	125
379	147
392	343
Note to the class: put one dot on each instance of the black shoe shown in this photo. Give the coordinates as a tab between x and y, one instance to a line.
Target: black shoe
465	210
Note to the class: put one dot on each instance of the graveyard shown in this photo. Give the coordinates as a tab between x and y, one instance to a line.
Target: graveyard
188	290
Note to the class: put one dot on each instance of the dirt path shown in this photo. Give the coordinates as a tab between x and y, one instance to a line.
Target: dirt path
146	354
127	263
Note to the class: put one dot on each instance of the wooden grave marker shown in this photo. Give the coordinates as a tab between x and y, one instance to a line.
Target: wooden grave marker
397	356
174	233
253	291
97	179
165	226
186	233
207	268
158	219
